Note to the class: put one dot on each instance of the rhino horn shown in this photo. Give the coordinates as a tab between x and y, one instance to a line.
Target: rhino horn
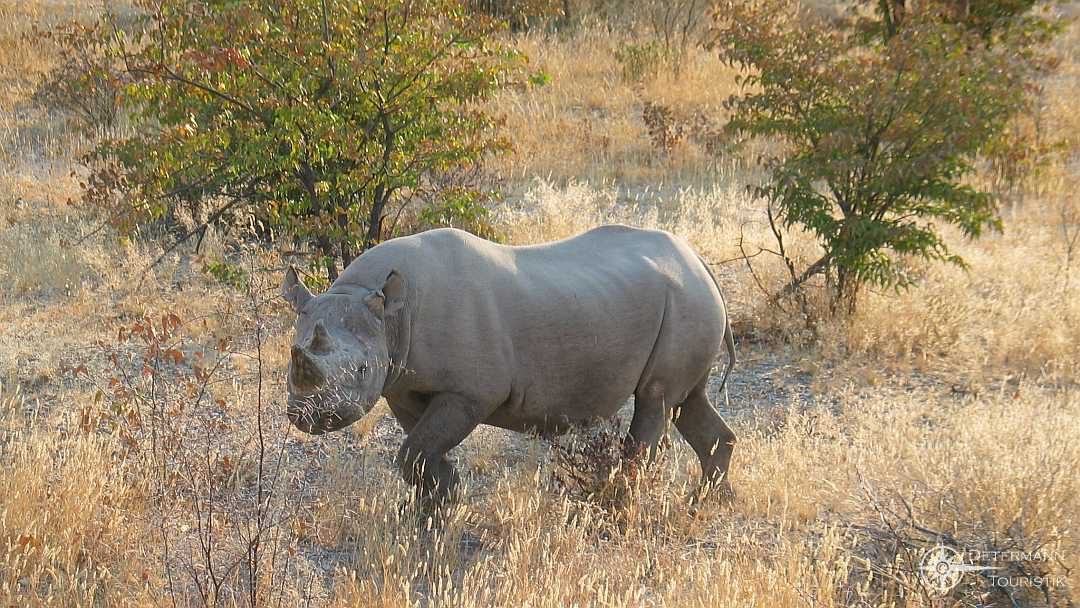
320	338
305	372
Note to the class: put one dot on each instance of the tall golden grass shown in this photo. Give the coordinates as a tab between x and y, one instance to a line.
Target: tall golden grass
950	408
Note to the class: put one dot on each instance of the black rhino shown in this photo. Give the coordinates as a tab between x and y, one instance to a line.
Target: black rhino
456	331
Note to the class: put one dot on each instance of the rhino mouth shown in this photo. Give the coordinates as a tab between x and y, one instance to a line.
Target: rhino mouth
325	411
314	425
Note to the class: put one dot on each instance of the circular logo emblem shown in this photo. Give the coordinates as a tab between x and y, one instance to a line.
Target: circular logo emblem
941	568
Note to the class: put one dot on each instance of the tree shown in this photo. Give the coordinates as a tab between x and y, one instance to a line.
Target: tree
985	17
879	123
324	117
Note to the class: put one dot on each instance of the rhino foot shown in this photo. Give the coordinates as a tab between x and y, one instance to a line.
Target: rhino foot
720	493
427	511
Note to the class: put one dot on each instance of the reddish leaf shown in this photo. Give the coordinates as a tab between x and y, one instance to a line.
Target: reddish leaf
29	542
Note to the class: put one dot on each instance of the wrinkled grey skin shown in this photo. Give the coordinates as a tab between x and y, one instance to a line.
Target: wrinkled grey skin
456	331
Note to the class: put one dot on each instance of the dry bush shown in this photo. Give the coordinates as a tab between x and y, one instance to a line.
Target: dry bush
522	14
664	131
28	135
26	61
672	29
87	82
589	464
196	416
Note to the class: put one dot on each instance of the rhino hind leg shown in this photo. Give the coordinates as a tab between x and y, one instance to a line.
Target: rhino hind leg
710	437
650	421
422	460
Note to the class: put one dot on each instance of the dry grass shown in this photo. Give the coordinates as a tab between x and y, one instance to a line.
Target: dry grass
587	123
1013	314
69	518
37	260
950	408
792	537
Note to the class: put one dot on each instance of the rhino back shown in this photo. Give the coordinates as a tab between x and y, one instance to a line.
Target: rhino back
560	331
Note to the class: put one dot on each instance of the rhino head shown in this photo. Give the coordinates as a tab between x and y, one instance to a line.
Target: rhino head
340	353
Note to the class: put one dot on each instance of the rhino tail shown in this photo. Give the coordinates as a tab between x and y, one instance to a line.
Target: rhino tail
729	342
729	336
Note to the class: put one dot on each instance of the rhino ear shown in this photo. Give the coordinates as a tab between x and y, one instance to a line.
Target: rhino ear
390	298
394	292
294	291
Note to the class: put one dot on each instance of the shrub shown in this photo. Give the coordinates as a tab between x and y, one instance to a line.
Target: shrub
192	406
677	26
321	117
588	463
672	27
881	120
88	81
639	62
522	14
227	273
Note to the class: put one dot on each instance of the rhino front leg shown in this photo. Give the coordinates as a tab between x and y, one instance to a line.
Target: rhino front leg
407	410
713	441
448	419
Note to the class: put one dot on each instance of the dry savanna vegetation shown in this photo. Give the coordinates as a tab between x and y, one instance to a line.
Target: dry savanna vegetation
145	458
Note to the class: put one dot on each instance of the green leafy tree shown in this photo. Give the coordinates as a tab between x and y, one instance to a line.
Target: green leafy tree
879	123
324	117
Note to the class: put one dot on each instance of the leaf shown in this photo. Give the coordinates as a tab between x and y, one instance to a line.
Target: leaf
297	117
29	542
880	126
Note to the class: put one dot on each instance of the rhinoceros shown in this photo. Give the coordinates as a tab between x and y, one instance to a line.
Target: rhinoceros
456	331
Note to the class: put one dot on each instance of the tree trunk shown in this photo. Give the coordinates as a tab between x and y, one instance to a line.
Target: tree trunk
375	217
347	255
308	178
327	250
346	251
846	293
892	12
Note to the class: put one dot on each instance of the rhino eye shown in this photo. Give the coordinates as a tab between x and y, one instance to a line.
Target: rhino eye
363	369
